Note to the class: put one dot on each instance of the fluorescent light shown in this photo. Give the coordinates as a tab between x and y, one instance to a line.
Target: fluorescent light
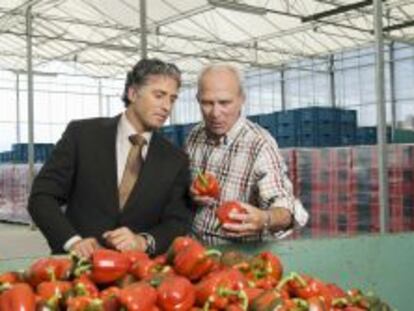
238	6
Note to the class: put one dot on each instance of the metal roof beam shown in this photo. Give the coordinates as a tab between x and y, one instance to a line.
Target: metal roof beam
339	10
399	26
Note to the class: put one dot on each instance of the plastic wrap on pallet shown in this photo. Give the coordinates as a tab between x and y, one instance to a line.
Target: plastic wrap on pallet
14	192
325	186
340	189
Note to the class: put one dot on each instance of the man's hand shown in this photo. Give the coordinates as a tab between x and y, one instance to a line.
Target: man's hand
85	247
123	239
201	200
248	223
255	220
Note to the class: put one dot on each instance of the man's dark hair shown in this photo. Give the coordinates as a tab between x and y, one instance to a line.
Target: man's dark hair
145	68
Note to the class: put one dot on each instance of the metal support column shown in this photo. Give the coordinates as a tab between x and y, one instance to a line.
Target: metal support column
381	118
100	100
143	28
18	135
30	97
283	89
332	80
392	89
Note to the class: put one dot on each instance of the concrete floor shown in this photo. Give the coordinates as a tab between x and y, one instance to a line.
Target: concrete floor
20	241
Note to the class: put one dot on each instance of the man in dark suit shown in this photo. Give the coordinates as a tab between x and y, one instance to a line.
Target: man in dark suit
92	171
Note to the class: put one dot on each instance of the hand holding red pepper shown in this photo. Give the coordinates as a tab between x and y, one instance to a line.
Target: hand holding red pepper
206	185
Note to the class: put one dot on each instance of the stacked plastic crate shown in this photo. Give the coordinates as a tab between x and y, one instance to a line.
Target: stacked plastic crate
347	127
318	127
287	128
367	135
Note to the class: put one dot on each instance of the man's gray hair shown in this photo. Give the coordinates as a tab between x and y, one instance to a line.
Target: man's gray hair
221	67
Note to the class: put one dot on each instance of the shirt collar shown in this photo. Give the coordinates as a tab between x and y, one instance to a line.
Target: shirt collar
230	135
127	129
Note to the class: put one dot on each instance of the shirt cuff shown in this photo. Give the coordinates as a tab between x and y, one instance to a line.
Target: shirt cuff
149	239
69	243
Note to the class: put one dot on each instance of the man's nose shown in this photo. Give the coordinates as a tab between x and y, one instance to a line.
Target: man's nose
215	110
167	104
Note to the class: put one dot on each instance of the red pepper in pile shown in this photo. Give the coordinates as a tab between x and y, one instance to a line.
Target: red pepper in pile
146	269
10	277
134	256
225	209
20	297
305	287
265	270
222	287
83	286
84	303
52	293
194	261
176	293
110	298
105	266
46	269
177	245
206	184
271	299
139	297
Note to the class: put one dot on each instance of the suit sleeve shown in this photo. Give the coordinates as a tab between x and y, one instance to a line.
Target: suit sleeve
51	189
177	216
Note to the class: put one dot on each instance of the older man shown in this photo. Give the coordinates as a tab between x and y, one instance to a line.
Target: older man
247	163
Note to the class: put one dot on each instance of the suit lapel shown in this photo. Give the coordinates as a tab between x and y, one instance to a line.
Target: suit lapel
108	163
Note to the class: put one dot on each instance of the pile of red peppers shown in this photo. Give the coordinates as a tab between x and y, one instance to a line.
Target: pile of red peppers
189	277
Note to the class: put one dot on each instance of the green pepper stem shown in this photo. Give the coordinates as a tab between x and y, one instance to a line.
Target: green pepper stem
202	178
212	252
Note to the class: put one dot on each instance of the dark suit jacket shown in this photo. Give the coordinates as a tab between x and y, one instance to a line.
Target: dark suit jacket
82	174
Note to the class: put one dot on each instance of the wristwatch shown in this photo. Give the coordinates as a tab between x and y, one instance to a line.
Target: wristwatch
150	243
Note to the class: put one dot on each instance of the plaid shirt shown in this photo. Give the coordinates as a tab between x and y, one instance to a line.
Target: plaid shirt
249	168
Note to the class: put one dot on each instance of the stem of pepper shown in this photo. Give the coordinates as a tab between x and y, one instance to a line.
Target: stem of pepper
202	178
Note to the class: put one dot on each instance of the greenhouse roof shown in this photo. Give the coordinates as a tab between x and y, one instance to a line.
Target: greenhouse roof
102	37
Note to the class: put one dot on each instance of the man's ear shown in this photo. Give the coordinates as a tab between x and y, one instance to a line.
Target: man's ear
132	94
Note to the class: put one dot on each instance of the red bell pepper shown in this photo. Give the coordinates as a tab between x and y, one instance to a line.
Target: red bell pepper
176	293
138	297
268	300
54	292
206	184
177	245
221	287
108	266
83	286
20	297
84	303
265	270
225	209
252	293
10	277
194	261
146	269
47	269
305	287
110	298
134	256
